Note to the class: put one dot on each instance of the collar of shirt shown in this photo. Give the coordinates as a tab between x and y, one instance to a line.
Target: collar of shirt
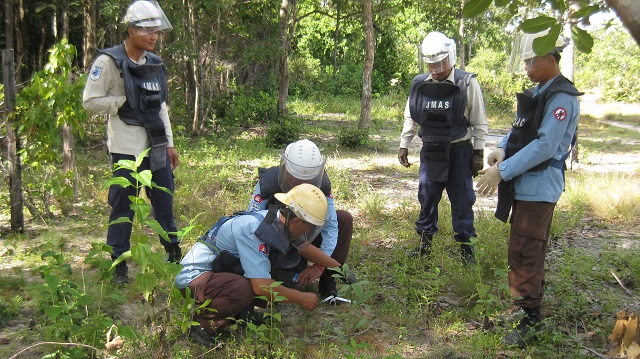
538	90
450	78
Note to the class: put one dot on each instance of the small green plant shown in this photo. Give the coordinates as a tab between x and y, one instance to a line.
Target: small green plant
267	333
353	137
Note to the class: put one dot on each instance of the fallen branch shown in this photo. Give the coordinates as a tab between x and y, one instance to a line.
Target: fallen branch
594	352
622	285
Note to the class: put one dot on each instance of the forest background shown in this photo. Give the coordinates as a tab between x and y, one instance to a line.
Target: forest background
246	77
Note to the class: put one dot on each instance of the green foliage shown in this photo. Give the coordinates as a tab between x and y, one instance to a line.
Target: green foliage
353	137
284	130
612	67
248	108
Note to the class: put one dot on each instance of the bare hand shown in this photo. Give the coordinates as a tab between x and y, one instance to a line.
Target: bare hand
308	275
308	301
173	157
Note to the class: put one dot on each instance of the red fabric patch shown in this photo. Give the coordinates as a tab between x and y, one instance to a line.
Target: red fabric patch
560	113
263	249
257	198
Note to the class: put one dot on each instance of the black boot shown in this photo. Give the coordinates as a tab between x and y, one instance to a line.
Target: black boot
527	331
327	285
174	252
425	245
467	252
121	273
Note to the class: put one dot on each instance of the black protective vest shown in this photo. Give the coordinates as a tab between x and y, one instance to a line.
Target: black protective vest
439	109
269	184
146	89
281	253
530	112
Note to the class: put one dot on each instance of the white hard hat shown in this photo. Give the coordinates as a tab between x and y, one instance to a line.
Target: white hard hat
526	44
307	202
301	162
146	14
436	46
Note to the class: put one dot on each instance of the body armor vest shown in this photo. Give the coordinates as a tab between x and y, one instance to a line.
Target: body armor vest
530	112
439	109
146	89
269	184
281	253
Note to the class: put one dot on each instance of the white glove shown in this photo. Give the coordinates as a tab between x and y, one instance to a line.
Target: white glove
495	157
489	181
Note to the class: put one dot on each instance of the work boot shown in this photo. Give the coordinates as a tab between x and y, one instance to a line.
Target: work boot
200	336
327	285
174	252
527	330
121	273
425	245
250	315
467	252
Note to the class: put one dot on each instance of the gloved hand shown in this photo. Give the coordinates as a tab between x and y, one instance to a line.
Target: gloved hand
489	181
496	156
476	162
403	154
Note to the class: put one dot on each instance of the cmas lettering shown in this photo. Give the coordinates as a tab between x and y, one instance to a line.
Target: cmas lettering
151	86
437	105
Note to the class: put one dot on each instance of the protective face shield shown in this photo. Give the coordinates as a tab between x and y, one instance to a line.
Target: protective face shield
301	162
523	53
146	17
309	204
437	53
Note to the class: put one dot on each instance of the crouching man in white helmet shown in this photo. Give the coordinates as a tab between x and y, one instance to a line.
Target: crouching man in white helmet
447	107
528	167
233	261
302	162
129	83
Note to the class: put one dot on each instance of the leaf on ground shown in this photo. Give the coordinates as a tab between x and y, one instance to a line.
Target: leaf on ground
634	351
630	332
618	331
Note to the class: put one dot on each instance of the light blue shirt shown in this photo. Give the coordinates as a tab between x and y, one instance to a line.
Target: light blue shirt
556	131
329	232
236	236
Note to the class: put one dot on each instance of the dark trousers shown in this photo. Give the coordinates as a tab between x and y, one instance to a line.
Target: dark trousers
118	235
230	294
530	228
459	188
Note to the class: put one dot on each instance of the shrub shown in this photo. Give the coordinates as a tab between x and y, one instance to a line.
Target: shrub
283	131
353	137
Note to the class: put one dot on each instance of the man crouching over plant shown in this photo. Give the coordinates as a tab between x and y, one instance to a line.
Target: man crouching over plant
231	264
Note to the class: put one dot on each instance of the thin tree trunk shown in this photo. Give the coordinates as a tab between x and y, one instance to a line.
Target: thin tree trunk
461	35
283	66
89	35
365	112
336	38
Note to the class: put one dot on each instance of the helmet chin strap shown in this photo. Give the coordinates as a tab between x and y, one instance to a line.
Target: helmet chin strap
287	218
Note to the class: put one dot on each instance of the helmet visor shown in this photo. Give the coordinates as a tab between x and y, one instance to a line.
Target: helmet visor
303	174
438	67
147	18
301	242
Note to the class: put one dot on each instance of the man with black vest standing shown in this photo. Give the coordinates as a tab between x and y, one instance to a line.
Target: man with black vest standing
129	83
528	168
446	109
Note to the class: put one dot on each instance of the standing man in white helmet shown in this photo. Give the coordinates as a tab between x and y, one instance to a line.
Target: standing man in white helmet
302	162
234	261
528	168
129	84
446	109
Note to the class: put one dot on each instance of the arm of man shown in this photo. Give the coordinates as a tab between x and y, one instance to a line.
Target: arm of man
257	203
104	89
320	260
409	128
174	158
557	117
330	230
308	301
477	115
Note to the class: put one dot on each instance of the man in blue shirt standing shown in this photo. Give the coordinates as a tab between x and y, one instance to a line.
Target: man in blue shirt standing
528	168
232	263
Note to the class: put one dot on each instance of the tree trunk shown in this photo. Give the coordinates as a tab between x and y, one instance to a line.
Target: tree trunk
365	112
89	35
336	39
461	35
13	141
283	65
628	11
